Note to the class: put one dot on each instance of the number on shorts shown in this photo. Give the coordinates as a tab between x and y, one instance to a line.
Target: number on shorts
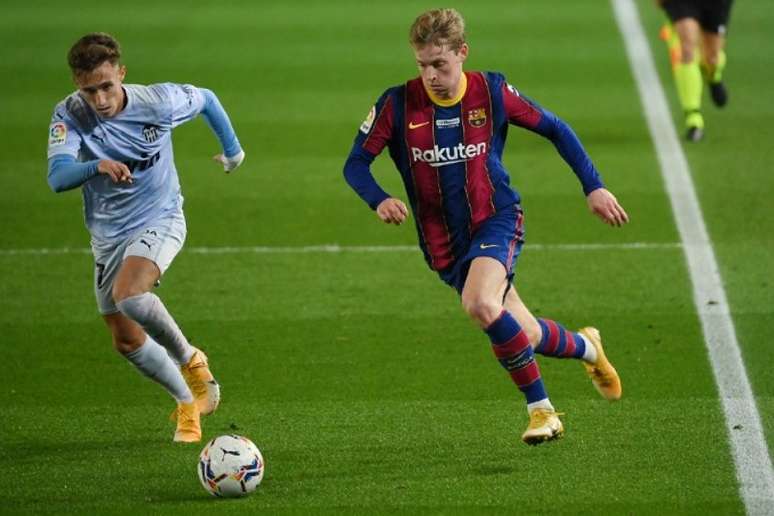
100	274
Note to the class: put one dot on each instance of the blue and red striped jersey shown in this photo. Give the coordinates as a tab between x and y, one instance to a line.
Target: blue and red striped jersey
449	155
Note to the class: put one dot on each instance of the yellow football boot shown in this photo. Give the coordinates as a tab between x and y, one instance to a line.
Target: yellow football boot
544	425
189	428
205	389
602	373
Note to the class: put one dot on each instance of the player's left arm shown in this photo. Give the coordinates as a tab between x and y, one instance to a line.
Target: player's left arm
525	113
189	101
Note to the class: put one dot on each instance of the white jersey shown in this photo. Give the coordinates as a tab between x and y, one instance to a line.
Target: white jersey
140	136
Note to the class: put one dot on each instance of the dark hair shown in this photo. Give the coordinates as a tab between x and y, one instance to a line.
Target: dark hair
91	51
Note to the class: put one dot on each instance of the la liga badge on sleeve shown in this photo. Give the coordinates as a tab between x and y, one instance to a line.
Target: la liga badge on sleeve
369	121
57	134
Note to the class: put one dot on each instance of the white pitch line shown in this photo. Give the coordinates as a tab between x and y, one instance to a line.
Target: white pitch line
748	445
335	248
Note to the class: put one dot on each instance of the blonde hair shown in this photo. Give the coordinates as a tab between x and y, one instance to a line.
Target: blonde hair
438	27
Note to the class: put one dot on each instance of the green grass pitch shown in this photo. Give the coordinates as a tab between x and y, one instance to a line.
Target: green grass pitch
357	374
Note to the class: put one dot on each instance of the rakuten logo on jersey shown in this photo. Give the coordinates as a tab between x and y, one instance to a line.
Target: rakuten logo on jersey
440	156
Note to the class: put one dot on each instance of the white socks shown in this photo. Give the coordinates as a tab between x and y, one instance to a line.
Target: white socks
154	362
590	355
148	311
545	403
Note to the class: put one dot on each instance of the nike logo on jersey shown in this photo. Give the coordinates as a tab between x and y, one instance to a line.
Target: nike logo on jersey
412	125
487	246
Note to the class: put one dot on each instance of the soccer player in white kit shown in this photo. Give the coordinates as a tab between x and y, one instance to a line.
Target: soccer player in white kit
114	140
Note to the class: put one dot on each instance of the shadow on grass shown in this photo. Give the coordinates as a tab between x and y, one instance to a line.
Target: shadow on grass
31	449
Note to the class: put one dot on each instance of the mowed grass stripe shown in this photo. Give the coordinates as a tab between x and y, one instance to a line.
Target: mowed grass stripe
335	248
753	464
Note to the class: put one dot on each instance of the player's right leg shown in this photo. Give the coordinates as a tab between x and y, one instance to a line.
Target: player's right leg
482	295
152	361
688	79
682	39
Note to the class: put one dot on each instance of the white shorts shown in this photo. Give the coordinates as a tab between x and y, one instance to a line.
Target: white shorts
159	242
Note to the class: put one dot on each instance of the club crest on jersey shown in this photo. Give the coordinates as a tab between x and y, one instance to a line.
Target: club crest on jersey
57	134
189	93
477	117
369	121
150	133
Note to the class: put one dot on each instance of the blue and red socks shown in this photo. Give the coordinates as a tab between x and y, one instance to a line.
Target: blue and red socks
558	342
511	347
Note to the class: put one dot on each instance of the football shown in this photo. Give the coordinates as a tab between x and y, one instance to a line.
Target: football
230	466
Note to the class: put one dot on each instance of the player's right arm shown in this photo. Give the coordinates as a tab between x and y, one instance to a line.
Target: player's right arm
65	172
375	133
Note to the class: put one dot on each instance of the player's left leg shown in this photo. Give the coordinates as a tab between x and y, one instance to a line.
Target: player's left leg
714	25
713	65
554	340
688	78
549	338
131	292
147	356
146	258
152	361
482	297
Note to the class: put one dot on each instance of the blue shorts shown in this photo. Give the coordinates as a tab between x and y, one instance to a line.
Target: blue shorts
500	237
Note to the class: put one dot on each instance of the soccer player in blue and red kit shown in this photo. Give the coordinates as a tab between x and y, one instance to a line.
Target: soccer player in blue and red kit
114	142
445	132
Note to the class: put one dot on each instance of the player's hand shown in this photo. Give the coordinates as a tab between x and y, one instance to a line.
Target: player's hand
230	163
392	211
605	206
117	171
